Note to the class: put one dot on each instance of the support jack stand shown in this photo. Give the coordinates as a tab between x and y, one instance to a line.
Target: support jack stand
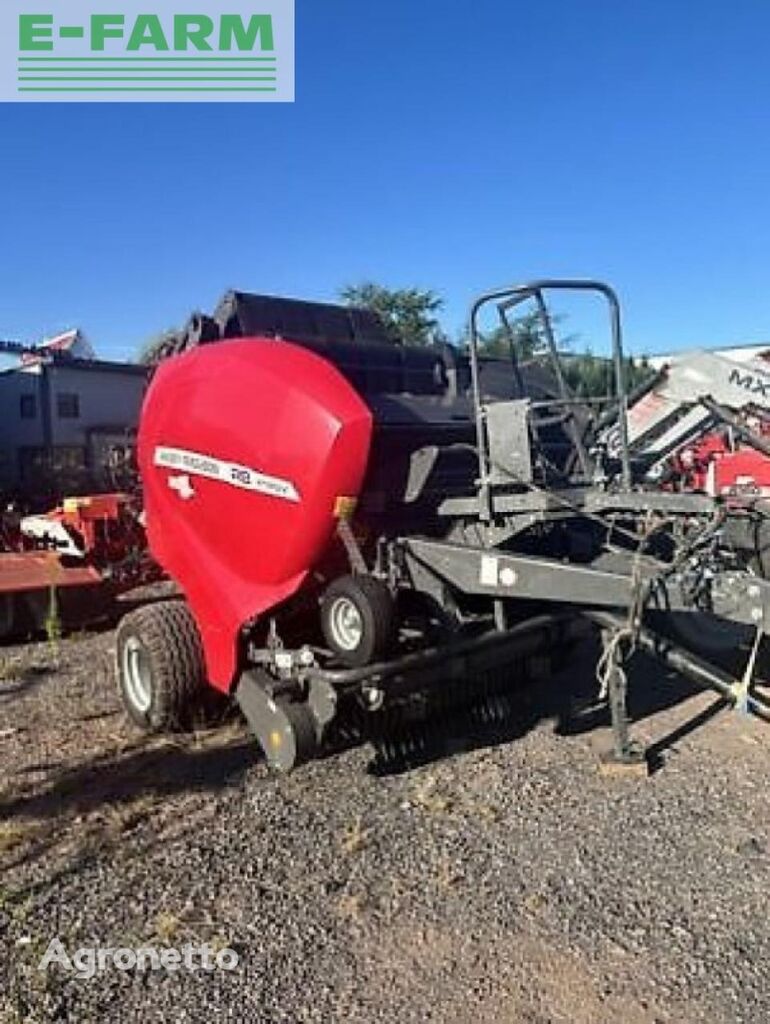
626	756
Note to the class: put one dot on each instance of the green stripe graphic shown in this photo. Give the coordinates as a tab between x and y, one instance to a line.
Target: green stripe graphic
141	78
145	59
267	73
64	88
143	72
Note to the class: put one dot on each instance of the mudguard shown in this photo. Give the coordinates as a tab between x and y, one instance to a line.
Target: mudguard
244	448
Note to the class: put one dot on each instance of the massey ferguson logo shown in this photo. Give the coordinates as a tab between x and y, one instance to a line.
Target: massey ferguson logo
753	384
193	464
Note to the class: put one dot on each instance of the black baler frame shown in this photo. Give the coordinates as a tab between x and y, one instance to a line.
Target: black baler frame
507	299
474	560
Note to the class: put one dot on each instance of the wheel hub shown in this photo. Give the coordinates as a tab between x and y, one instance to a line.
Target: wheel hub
137	674
346	624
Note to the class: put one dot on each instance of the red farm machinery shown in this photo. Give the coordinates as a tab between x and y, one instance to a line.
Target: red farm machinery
65	566
354	523
702	424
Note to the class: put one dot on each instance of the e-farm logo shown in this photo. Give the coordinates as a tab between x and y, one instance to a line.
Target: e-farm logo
166	50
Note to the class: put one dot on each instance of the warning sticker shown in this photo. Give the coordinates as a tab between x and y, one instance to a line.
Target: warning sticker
488	572
230	473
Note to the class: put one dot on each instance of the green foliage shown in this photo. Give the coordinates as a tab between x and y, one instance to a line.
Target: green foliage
527	338
587	375
409	314
592	376
53	627
150	351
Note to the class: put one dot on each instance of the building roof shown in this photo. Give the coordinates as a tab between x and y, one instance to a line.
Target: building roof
97	366
72	343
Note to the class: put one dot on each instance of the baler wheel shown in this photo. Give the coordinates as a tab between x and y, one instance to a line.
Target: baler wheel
286	729
357	618
298	742
160	666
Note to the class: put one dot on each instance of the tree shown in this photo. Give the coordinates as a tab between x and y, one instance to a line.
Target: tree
155	348
592	376
587	375
528	338
409	314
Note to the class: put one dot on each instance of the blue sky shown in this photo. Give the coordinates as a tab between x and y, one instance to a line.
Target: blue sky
455	146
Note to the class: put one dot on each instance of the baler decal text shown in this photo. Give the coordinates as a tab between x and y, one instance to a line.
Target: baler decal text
231	473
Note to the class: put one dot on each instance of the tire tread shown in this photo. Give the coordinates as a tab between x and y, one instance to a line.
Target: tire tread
171	638
376	604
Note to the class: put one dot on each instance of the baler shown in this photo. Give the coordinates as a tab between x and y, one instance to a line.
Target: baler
352	521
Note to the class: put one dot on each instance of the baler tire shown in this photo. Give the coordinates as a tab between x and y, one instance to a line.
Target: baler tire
162	641
374	605
304	737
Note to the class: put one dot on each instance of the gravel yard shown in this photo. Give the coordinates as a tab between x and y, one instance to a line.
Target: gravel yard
506	880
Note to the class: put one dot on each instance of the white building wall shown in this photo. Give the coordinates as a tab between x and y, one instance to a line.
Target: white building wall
15	432
106	398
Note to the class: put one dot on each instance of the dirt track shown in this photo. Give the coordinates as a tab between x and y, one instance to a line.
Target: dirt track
506	880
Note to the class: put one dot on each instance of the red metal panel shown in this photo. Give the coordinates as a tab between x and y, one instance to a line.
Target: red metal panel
244	447
39	570
744	473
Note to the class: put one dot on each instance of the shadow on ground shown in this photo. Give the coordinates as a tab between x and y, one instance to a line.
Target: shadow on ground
25	679
154	771
400	740
569	698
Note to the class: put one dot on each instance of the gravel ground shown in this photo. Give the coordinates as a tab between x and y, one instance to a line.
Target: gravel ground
507	880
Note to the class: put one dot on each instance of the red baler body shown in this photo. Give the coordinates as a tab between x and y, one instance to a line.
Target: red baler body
244	448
